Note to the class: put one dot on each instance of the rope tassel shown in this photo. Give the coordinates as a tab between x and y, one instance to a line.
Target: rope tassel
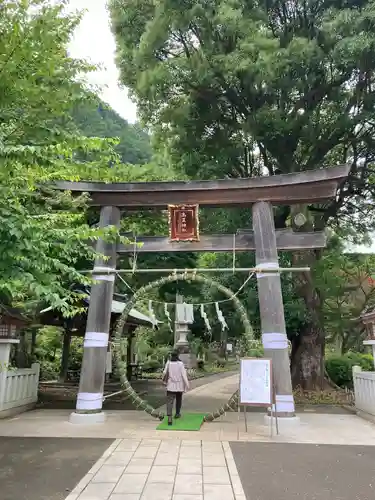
205	318
220	317
168	316
152	314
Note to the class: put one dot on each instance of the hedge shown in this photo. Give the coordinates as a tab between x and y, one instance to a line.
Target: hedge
339	368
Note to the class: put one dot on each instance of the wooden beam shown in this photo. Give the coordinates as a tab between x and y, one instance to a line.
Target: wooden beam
286	239
311	186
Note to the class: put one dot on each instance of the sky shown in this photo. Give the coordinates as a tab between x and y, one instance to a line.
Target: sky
94	41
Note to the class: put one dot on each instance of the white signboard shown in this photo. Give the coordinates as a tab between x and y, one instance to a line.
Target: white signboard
256	382
230	347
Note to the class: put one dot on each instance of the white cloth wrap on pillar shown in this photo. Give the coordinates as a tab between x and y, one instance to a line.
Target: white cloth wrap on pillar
104	277
284	403
267	265
89	401
96	339
275	341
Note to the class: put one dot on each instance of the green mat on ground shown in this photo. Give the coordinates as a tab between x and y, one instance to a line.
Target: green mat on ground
187	422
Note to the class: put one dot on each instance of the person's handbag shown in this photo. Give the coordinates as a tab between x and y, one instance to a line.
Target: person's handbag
166	376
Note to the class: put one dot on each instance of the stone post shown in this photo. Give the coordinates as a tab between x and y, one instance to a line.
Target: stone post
271	307
181	342
91	385
179	300
5	345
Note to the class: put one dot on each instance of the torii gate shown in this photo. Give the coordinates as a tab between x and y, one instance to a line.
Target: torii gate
261	193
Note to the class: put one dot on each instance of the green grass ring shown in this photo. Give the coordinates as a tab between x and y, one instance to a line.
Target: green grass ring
120	343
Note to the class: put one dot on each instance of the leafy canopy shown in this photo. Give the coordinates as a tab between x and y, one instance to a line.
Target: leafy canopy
238	88
43	234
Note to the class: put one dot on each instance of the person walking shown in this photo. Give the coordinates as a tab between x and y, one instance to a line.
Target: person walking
176	381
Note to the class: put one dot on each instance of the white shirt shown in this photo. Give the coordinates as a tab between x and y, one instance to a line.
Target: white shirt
177	376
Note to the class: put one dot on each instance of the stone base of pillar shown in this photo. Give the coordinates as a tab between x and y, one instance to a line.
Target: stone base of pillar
284	421
87	418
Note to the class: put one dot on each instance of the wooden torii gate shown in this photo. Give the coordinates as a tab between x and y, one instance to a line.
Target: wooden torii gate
314	186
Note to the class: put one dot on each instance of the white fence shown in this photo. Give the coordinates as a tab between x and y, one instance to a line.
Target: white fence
18	390
364	392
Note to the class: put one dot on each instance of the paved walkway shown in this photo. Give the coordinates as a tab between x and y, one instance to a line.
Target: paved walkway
154	469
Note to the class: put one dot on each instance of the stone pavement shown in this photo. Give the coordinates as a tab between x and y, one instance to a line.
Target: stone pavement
154	469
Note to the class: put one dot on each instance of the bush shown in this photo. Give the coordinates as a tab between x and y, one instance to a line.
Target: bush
256	353
221	362
365	361
152	365
200	364
48	370
339	368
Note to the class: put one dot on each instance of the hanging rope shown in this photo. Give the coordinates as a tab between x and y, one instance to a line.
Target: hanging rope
135	255
125	283
234	253
168	316
212	302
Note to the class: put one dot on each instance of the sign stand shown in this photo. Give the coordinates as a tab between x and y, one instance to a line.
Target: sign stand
274	411
257	388
275	414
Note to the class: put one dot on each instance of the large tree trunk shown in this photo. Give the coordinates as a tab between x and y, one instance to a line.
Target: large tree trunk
307	358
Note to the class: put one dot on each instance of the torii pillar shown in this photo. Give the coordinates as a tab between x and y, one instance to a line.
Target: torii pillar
91	384
271	307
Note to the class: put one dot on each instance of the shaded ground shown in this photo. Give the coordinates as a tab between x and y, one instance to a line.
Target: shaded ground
45	468
153	391
305	471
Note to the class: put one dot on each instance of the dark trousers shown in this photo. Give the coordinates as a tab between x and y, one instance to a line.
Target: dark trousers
171	396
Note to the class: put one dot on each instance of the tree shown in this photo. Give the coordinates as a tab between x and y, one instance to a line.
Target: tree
43	233
235	88
345	284
96	119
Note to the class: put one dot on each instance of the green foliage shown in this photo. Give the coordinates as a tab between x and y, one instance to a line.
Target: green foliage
200	364
342	281
151	365
95	118
262	86
48	352
220	362
43	234
256	353
339	368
